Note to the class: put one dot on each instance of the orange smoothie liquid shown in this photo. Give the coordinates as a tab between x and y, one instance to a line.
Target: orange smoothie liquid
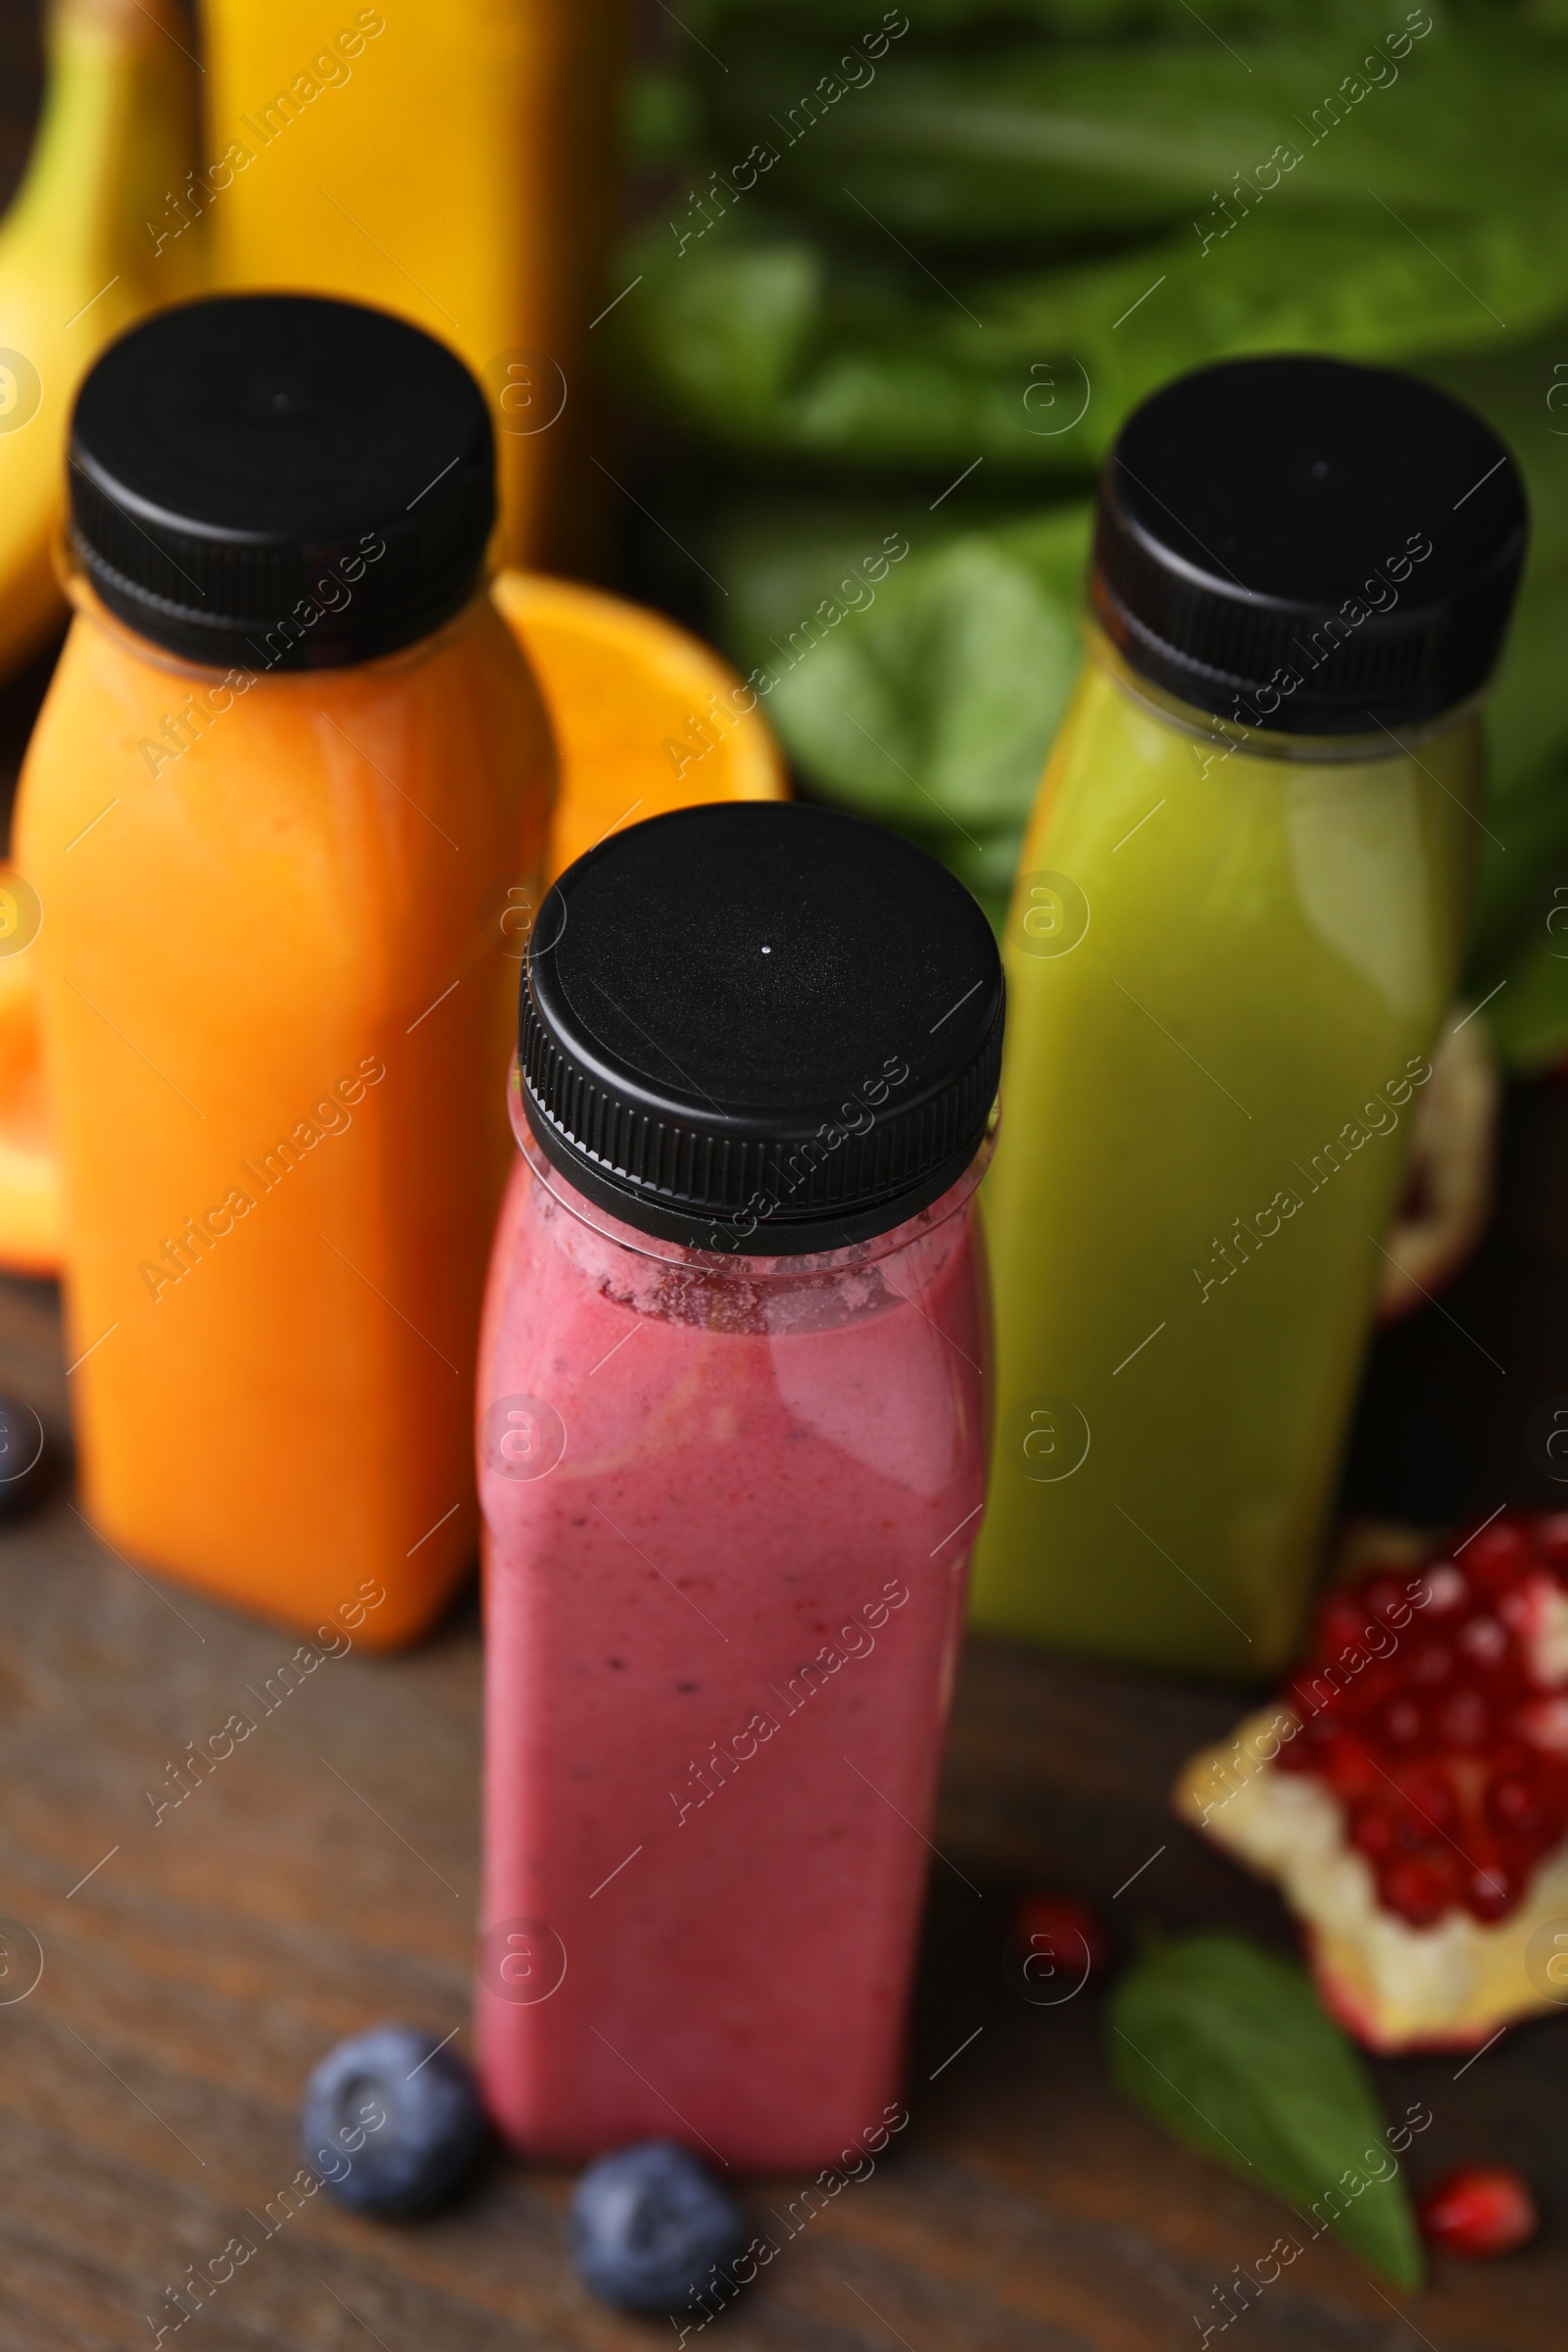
279	1003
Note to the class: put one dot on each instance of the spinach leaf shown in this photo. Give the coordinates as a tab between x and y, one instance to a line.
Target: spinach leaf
1040	140
1226	2047
847	19
927	700
779	344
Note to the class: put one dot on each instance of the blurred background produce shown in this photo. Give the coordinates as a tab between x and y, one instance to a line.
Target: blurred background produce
76	267
897	277
901	275
456	161
232	145
452	159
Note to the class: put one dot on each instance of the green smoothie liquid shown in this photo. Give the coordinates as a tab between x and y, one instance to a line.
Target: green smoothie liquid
1227	956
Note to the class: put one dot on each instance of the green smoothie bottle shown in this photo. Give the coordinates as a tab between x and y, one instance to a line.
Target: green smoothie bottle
1237	926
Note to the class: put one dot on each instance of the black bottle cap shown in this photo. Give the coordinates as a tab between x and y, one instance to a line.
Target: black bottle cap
760	1027
276	481
1308	546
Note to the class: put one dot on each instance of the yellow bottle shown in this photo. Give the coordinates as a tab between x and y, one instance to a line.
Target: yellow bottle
445	158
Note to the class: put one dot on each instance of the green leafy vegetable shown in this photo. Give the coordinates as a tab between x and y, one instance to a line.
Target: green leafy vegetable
786	345
971	235
931	704
1227	2048
928	701
1531	1021
1035	141
845	20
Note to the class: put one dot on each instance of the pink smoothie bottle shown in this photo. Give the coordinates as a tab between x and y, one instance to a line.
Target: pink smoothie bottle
731	1463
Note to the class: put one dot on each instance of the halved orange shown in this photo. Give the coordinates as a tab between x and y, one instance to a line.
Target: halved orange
646	718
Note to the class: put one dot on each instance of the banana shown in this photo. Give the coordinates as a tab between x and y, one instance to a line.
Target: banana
81	258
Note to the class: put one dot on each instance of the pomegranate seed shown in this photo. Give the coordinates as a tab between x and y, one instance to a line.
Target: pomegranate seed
1351	1768
1372	1831
1344	1624
1551	1540
1530	1608
1445	1589
1064	1929
1448	1753
1491	1887
1413	1832
1545	1724
1463	1719
1483	1641
1426	1789
1430	1661
1419	1887
1494	1556
1401	1723
1518	1805
1387	1598
1482	2209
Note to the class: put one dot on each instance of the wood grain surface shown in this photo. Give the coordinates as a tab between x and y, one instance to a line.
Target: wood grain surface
326	1876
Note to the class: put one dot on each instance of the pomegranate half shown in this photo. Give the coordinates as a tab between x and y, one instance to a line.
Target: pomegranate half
1408	1789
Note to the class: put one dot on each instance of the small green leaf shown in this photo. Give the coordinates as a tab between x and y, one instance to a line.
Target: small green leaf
928	701
941	701
1228	2049
740	318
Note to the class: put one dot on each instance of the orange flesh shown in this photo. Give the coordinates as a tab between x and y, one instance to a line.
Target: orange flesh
277	991
648	717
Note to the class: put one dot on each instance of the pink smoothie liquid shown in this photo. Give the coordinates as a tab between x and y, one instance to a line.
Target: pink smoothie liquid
728	1512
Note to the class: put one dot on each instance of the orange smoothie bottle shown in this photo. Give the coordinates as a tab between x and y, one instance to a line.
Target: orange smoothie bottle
291	782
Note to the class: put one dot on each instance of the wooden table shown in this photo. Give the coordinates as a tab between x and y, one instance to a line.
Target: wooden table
326	1877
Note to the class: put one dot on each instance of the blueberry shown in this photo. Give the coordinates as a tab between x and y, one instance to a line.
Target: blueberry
21	1450
390	2120
648	2225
